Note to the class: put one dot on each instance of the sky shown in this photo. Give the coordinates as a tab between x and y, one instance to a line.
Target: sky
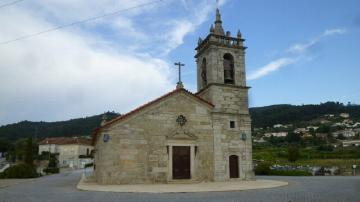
299	52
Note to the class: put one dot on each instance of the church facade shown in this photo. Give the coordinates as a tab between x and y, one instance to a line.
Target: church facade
183	136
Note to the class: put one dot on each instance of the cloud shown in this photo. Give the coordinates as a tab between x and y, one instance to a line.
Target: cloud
330	32
63	75
297	50
108	64
181	28
271	67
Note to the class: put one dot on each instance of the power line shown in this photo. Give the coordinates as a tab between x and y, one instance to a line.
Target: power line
10	3
79	22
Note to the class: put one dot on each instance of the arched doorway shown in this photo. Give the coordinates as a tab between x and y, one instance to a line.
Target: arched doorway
234	166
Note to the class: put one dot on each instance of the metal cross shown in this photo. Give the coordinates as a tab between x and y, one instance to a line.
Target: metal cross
179	65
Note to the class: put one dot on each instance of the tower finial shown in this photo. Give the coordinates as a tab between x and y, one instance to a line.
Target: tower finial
239	34
218	15
218	24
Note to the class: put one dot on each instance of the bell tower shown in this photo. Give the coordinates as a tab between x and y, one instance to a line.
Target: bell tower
220	57
221	80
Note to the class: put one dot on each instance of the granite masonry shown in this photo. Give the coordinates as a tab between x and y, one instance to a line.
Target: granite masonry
181	136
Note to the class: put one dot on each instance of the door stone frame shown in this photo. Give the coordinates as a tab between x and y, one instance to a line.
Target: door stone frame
185	143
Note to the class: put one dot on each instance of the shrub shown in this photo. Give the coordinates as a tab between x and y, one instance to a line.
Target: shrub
53	162
20	171
51	170
263	168
293	153
325	148
29	152
289	173
89	165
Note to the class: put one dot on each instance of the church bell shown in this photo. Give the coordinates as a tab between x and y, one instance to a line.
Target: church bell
228	72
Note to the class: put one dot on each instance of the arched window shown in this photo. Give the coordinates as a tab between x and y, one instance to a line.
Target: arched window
228	69
234	166
203	72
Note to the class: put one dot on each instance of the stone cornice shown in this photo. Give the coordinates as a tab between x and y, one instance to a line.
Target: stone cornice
218	40
223	85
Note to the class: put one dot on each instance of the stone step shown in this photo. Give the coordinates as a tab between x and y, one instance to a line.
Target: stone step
185	181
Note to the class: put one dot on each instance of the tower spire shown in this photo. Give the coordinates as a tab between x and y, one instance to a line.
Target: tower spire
218	24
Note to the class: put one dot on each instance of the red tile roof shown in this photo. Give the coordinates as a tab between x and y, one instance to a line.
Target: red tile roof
65	140
124	116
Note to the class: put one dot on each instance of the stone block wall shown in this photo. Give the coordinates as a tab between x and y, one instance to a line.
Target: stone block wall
231	104
228	141
137	150
227	98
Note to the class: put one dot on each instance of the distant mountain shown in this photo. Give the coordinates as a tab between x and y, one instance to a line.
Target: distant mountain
261	117
291	114
41	130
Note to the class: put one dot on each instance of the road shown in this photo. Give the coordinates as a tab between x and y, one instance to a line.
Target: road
61	187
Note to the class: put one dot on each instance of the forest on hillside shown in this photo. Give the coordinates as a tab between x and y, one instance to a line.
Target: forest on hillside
41	130
297	114
261	117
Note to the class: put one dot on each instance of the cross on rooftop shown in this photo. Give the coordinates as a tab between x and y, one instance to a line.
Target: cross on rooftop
179	83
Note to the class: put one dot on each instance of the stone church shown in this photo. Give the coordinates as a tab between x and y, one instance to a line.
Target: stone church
182	136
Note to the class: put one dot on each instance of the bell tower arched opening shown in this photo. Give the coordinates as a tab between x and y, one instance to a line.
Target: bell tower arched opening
203	73
228	69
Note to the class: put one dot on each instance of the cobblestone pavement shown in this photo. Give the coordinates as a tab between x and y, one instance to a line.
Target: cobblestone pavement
61	187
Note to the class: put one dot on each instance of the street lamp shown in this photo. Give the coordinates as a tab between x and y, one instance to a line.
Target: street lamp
243	136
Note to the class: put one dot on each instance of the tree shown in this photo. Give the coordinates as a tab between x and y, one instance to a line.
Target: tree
293	152
263	168
323	129
29	152
341	137
53	162
5	145
293	138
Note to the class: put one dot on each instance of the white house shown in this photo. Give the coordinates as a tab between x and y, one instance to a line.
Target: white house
279	126
345	133
344	115
72	152
300	130
279	134
355	143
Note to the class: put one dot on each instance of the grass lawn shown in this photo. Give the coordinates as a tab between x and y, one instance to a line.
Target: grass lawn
309	156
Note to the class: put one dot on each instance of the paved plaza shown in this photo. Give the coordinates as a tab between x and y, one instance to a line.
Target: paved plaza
62	187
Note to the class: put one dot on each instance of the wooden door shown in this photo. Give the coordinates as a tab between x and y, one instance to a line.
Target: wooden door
181	162
234	166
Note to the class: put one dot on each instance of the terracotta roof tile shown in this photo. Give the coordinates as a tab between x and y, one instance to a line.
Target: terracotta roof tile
65	140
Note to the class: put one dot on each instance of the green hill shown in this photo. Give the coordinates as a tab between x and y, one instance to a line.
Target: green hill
41	130
261	117
291	114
